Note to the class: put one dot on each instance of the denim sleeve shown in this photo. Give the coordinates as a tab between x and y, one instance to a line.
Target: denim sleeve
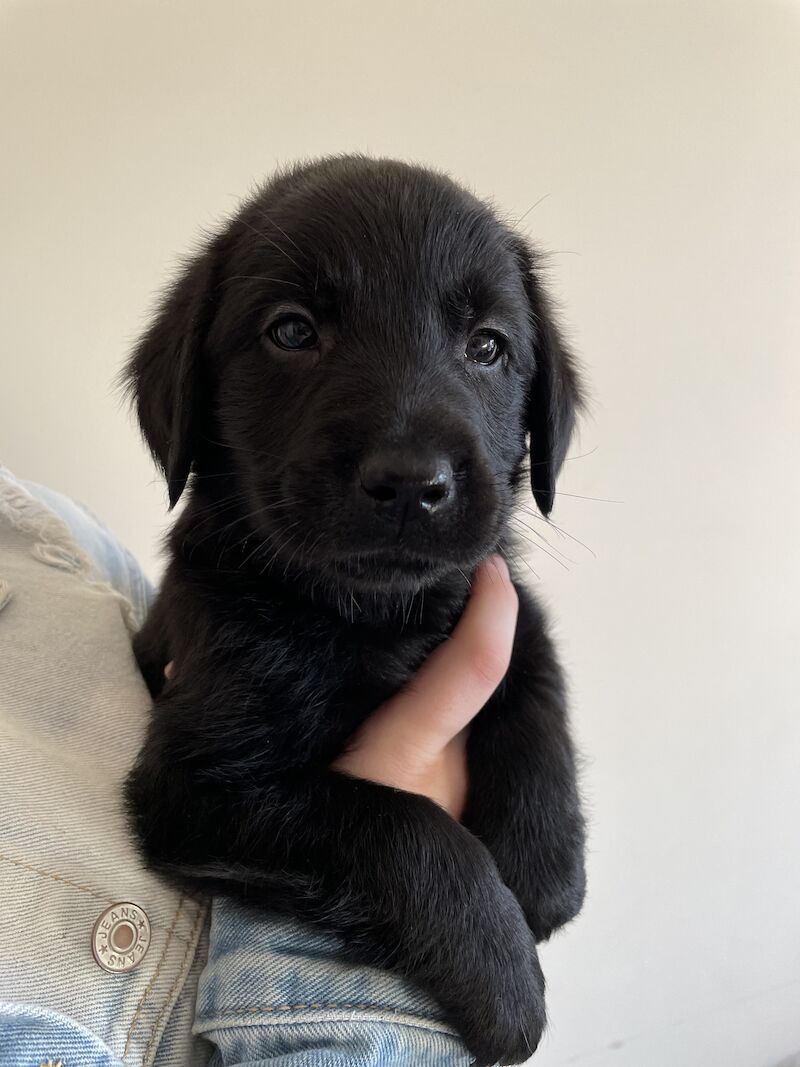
276	992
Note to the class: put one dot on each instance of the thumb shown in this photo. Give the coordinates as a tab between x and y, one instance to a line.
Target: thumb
458	678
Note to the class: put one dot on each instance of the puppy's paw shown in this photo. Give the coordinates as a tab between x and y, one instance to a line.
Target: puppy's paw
517	1019
548	877
554	895
495	991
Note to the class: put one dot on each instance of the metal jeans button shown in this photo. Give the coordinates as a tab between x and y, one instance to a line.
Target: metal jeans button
121	937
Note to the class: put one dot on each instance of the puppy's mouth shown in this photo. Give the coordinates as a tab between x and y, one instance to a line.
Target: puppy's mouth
351	546
391	569
353	562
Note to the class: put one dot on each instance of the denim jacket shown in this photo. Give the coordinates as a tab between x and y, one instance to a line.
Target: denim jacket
215	982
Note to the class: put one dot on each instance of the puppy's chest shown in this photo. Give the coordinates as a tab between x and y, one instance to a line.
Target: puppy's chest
296	676
321	680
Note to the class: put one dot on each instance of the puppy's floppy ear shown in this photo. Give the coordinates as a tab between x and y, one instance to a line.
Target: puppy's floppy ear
165	374
555	395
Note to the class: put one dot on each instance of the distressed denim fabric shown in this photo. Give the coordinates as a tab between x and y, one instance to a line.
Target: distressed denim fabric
246	988
72	712
277	992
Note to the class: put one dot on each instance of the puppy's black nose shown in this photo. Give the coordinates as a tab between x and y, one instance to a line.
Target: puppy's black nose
400	481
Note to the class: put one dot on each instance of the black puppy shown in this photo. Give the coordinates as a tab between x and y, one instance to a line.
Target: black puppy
349	372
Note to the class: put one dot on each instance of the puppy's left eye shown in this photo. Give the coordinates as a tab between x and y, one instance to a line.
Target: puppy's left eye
485	347
293	333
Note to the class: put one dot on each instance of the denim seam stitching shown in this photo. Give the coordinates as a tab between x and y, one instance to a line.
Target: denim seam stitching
65	881
180	976
285	1009
55	878
154	976
203	1026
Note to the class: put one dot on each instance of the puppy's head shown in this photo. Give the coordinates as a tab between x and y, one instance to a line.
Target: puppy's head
354	366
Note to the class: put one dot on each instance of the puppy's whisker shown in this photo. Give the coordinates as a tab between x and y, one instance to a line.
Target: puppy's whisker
297	550
545	252
270	537
404	612
274	244
216	532
540	545
518	557
552	556
266	509
214	511
258	278
567	459
579	496
534	205
215	506
207	515
242	448
272	222
560	531
215	514
542	538
309	552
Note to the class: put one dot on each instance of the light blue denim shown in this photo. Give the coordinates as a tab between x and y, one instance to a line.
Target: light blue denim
273	991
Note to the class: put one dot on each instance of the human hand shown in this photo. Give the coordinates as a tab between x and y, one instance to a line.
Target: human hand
416	741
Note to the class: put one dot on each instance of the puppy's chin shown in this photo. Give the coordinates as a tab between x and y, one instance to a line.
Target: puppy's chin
384	570
382	576
387	575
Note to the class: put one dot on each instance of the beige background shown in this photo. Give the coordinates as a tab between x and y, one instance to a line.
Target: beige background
665	140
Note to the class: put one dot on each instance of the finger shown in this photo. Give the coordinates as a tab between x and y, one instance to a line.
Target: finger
458	678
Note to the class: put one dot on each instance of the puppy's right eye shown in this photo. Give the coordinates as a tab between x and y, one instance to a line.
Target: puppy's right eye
293	334
485	347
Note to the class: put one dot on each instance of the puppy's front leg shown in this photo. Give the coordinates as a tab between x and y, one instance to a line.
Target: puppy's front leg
151	648
523	799
405	885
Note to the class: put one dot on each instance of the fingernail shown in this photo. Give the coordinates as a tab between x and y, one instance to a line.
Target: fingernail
501	566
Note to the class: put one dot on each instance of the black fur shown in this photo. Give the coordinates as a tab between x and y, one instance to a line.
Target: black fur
294	603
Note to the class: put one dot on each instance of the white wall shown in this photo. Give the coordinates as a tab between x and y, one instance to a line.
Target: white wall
666	139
